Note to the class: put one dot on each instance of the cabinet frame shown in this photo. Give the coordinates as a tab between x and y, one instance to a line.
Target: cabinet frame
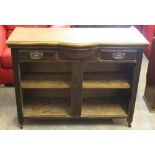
94	72
76	87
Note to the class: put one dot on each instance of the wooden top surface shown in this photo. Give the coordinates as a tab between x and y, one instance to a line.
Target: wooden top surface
76	37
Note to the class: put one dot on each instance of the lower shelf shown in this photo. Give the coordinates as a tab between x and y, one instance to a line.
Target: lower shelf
60	108
105	107
46	107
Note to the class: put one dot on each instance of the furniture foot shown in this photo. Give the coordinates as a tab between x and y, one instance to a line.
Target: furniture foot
129	124
21	126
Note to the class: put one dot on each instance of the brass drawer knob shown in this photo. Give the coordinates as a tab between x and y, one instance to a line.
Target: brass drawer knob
36	55
118	56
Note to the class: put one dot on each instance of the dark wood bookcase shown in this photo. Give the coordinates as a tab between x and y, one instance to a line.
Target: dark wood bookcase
75	81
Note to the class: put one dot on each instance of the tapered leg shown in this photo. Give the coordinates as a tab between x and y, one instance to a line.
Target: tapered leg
129	124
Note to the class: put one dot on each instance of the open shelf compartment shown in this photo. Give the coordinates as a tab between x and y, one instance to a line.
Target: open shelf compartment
103	108
46	107
114	80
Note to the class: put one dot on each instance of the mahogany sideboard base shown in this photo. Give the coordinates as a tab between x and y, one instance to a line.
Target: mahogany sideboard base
72	74
55	87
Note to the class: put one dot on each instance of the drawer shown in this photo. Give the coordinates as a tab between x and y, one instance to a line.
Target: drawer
118	55
25	55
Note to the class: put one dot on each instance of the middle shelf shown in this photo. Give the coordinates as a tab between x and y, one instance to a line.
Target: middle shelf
107	84
87	84
29	84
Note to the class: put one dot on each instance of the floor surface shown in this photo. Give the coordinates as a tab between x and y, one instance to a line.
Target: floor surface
143	119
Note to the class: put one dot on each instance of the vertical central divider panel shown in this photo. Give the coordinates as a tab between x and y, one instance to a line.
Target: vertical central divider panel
76	87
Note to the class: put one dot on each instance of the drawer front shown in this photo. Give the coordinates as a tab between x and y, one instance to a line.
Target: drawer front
118	55
33	55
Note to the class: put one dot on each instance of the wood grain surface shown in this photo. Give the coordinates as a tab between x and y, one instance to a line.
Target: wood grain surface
103	107
45	84
76	36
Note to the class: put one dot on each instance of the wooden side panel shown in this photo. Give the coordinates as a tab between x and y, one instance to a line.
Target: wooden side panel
135	80
18	91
